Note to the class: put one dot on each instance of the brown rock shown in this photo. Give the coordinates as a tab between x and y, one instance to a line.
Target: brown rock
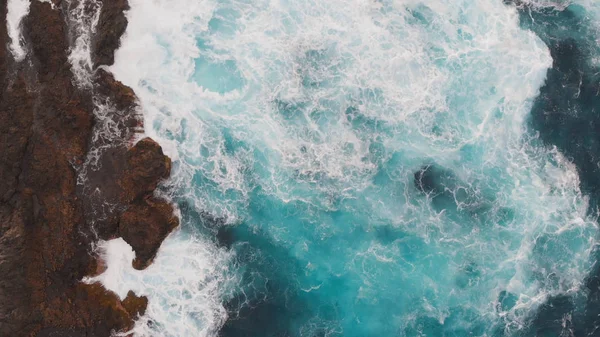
47	221
146	167
80	309
144	225
134	305
121	95
111	25
104	202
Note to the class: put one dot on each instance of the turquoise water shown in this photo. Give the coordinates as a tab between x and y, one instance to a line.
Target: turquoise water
356	168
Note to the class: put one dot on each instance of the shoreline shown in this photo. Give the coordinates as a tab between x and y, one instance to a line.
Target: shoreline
74	172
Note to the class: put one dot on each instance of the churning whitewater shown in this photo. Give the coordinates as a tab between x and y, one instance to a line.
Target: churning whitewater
352	168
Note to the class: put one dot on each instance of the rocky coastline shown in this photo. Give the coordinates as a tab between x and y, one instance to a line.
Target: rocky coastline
66	182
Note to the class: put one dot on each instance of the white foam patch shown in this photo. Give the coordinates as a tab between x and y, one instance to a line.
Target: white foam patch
50	2
185	285
17	10
374	49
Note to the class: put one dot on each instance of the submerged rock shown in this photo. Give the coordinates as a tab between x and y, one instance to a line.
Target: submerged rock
458	199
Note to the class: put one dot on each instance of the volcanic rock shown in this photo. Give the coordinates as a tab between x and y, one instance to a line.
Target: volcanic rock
52	195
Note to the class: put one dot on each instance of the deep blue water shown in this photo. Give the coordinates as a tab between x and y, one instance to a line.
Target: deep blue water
566	115
376	168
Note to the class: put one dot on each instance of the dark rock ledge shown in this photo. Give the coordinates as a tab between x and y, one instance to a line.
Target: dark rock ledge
56	202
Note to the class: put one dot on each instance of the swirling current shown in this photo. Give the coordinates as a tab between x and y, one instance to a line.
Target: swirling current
370	167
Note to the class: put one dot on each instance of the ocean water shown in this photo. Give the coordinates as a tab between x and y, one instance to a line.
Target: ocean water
369	168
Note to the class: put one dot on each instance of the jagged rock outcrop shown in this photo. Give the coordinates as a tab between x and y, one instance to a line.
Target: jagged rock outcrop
111	25
146	165
49	216
148	220
144	225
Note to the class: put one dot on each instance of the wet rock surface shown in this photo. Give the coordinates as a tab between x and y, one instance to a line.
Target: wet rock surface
111	25
66	183
144	225
146	166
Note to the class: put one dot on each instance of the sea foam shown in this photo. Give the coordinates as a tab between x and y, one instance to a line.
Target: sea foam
369	160
17	10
